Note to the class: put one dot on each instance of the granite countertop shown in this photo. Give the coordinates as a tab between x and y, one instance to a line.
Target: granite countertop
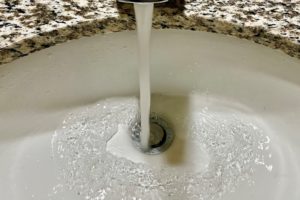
30	25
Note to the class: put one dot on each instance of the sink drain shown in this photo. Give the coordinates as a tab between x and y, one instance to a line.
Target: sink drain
161	136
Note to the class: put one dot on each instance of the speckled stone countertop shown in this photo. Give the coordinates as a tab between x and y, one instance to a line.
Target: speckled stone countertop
30	25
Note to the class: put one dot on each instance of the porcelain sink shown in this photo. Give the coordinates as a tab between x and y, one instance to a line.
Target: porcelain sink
194	74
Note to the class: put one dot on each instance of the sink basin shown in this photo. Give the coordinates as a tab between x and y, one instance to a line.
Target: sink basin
221	82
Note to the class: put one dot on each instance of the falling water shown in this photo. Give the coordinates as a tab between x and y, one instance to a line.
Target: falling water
144	13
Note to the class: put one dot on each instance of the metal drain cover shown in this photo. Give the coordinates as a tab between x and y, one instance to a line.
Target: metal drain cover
161	136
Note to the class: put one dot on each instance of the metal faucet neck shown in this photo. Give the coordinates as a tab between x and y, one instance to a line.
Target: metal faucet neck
143	1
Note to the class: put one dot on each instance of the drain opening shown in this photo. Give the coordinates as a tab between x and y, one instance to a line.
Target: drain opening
161	135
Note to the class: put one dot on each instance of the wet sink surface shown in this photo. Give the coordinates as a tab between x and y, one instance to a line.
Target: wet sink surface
205	76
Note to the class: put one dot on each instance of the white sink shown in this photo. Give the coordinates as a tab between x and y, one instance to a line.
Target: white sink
196	74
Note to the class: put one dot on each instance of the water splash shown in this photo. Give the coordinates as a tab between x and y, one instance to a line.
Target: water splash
235	148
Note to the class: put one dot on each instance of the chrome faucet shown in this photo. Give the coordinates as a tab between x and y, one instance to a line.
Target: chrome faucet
143	1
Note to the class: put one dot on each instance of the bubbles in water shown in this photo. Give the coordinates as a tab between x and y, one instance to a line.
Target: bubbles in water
235	149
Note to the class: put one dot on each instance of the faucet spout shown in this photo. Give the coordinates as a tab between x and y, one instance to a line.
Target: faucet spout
143	1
